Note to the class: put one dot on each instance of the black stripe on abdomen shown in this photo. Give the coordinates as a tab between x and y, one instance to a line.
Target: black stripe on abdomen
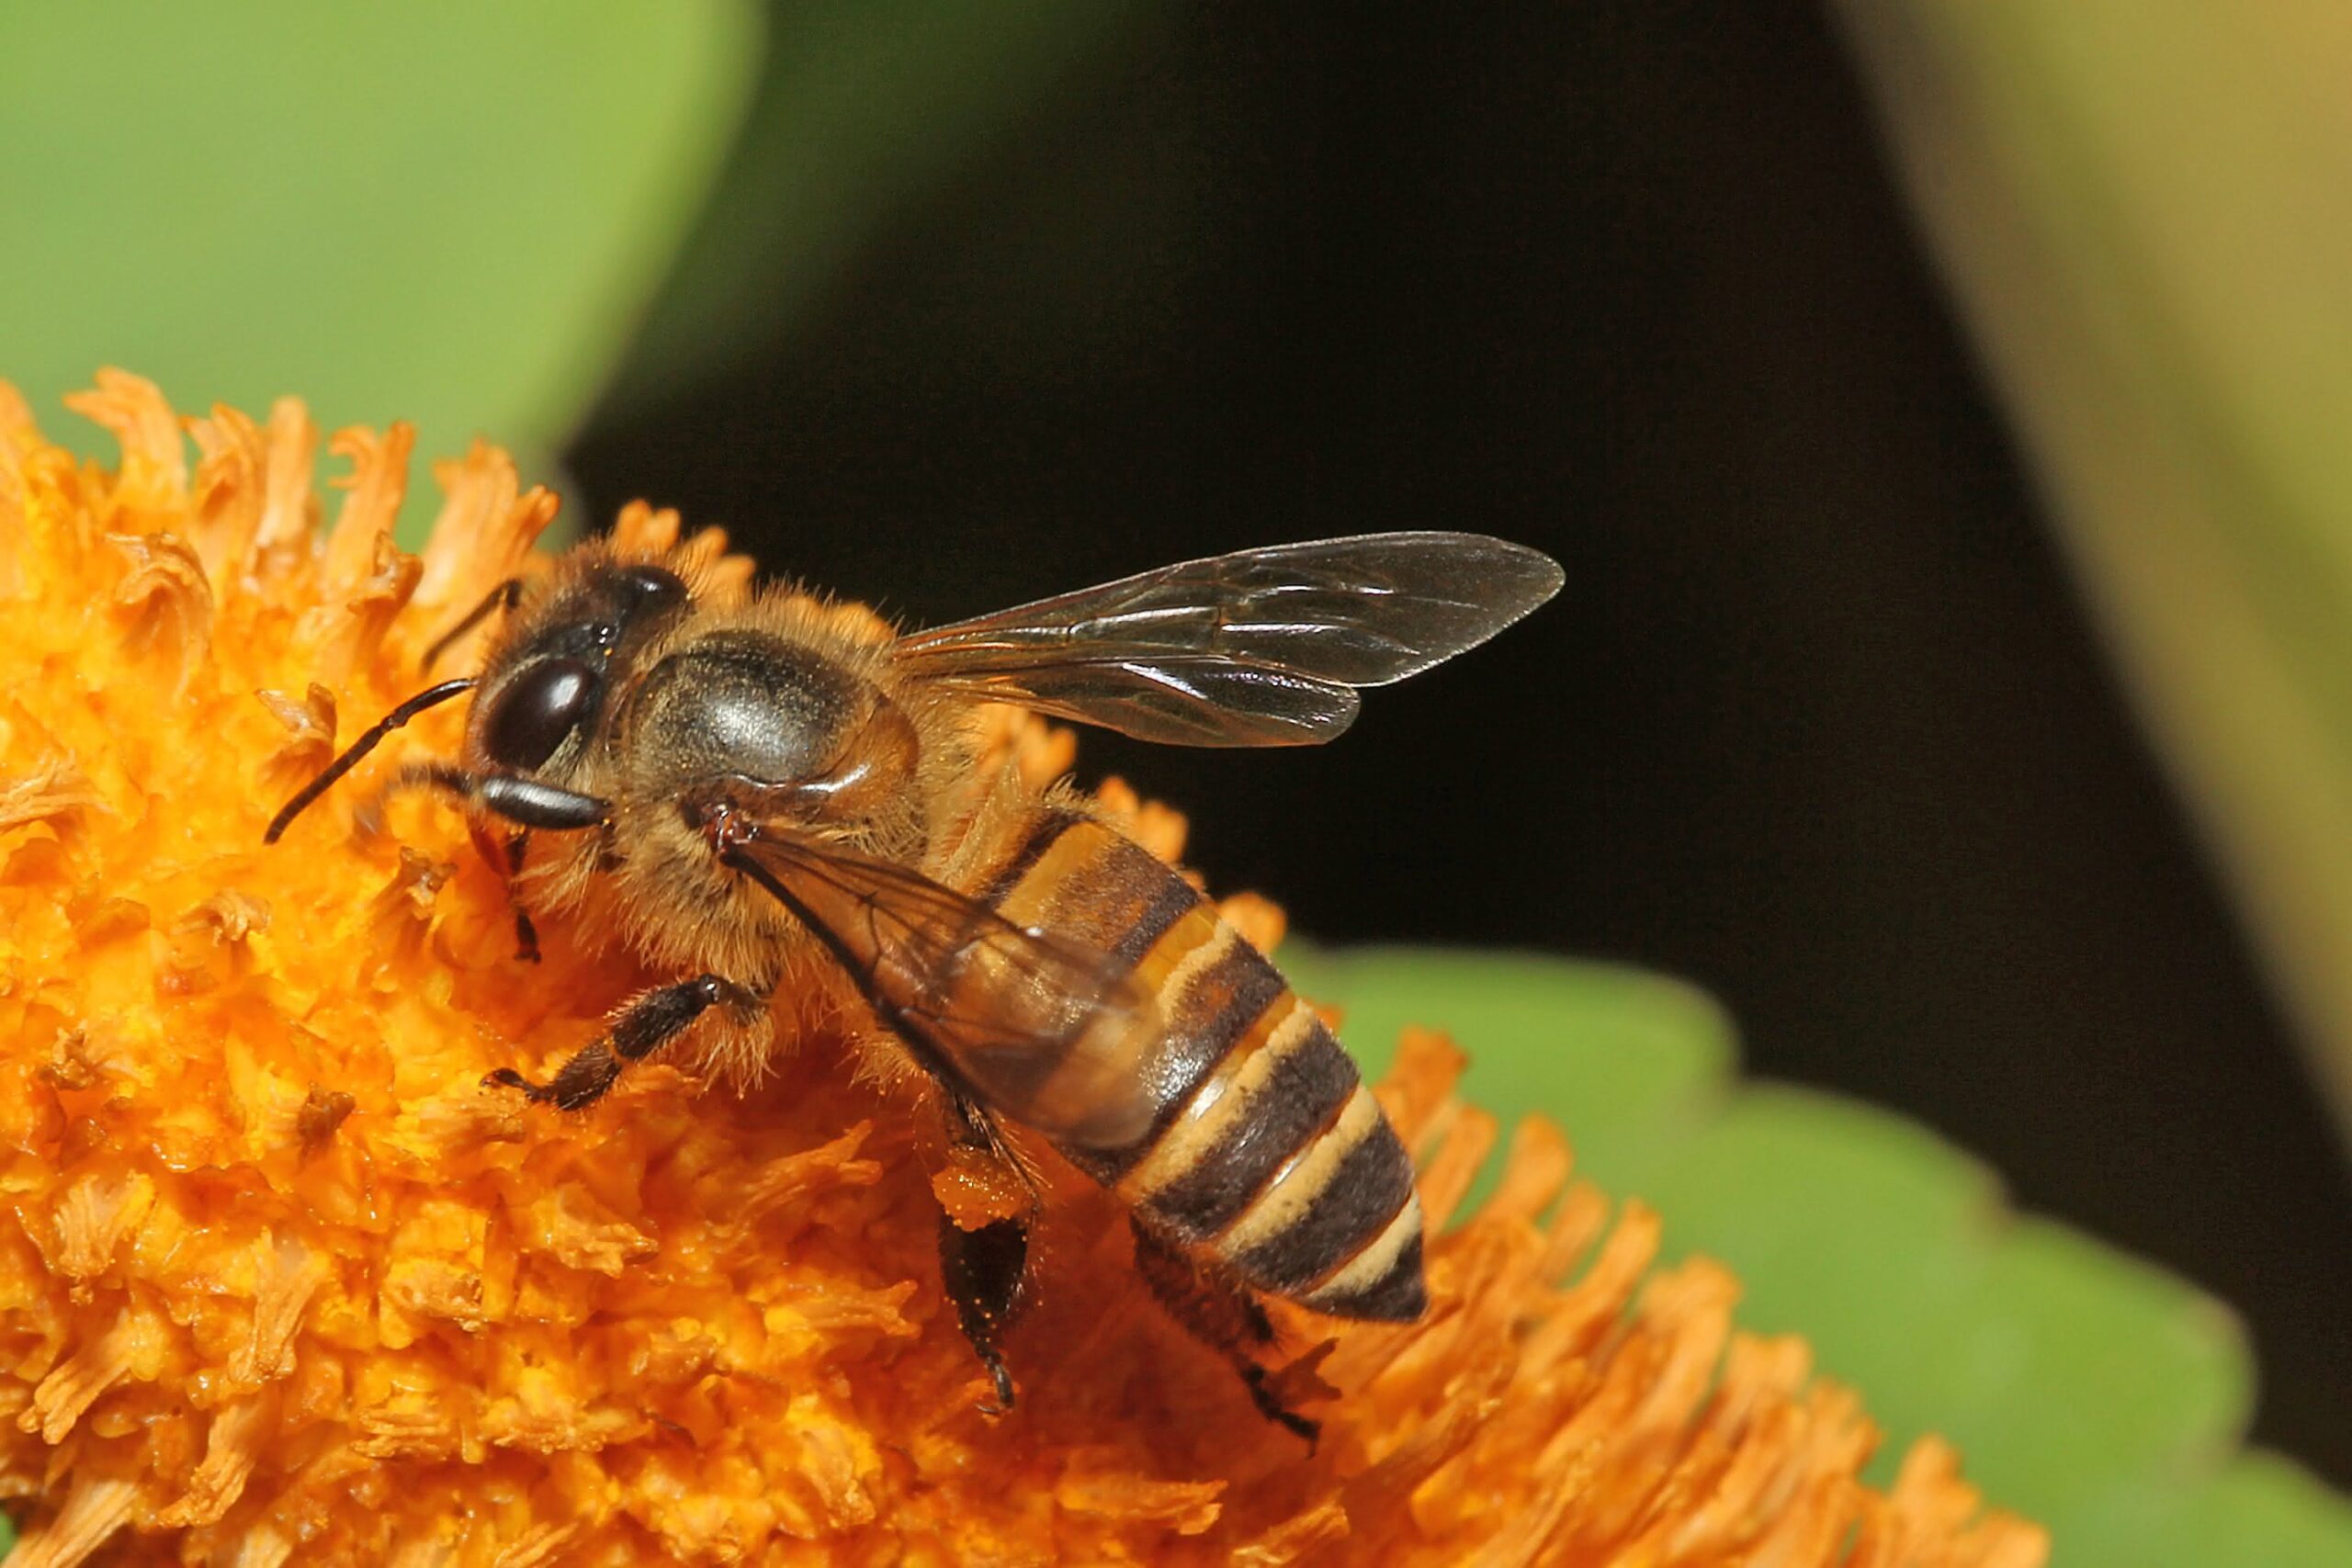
1399	1295
1301	1097
1203	1024
1037	836
1369	1188
1120	900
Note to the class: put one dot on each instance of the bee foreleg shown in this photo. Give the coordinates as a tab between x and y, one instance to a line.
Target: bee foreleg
526	936
644	1027
1221	1316
506	857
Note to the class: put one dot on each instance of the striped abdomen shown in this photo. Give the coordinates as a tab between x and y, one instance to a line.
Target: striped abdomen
1267	1153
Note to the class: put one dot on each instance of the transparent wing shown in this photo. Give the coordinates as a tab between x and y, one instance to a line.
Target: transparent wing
1260	647
1185	700
1029	1025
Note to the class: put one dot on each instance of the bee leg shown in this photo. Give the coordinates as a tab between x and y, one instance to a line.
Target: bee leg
526	936
648	1023
986	1275
986	1271
1221	1316
503	856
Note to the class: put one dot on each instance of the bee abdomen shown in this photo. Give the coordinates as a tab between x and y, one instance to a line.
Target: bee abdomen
1281	1165
1338	1227
1242	1126
1267	1154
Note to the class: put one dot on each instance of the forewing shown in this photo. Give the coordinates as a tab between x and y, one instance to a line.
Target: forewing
1260	647
1176	701
1030	1025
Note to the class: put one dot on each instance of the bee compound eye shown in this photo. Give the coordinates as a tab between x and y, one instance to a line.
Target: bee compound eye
545	702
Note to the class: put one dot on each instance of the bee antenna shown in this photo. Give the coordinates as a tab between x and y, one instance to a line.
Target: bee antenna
432	696
501	598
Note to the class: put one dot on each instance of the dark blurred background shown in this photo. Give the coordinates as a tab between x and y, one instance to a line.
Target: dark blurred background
1818	721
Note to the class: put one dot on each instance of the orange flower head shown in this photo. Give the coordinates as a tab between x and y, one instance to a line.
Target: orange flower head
281	1283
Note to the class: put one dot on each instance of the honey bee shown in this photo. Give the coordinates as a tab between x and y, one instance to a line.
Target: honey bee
728	789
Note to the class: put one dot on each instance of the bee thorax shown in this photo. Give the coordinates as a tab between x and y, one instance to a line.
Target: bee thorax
739	705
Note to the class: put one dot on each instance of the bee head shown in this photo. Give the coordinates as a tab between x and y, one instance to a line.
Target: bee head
545	689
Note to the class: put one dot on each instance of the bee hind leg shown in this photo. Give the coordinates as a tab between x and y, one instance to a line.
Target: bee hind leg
1222	1315
643	1027
987	1272
986	1269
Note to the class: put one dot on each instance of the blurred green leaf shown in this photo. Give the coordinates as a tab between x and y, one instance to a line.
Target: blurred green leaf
2093	1393
448	213
867	106
1613	1052
2145	213
2257	1511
